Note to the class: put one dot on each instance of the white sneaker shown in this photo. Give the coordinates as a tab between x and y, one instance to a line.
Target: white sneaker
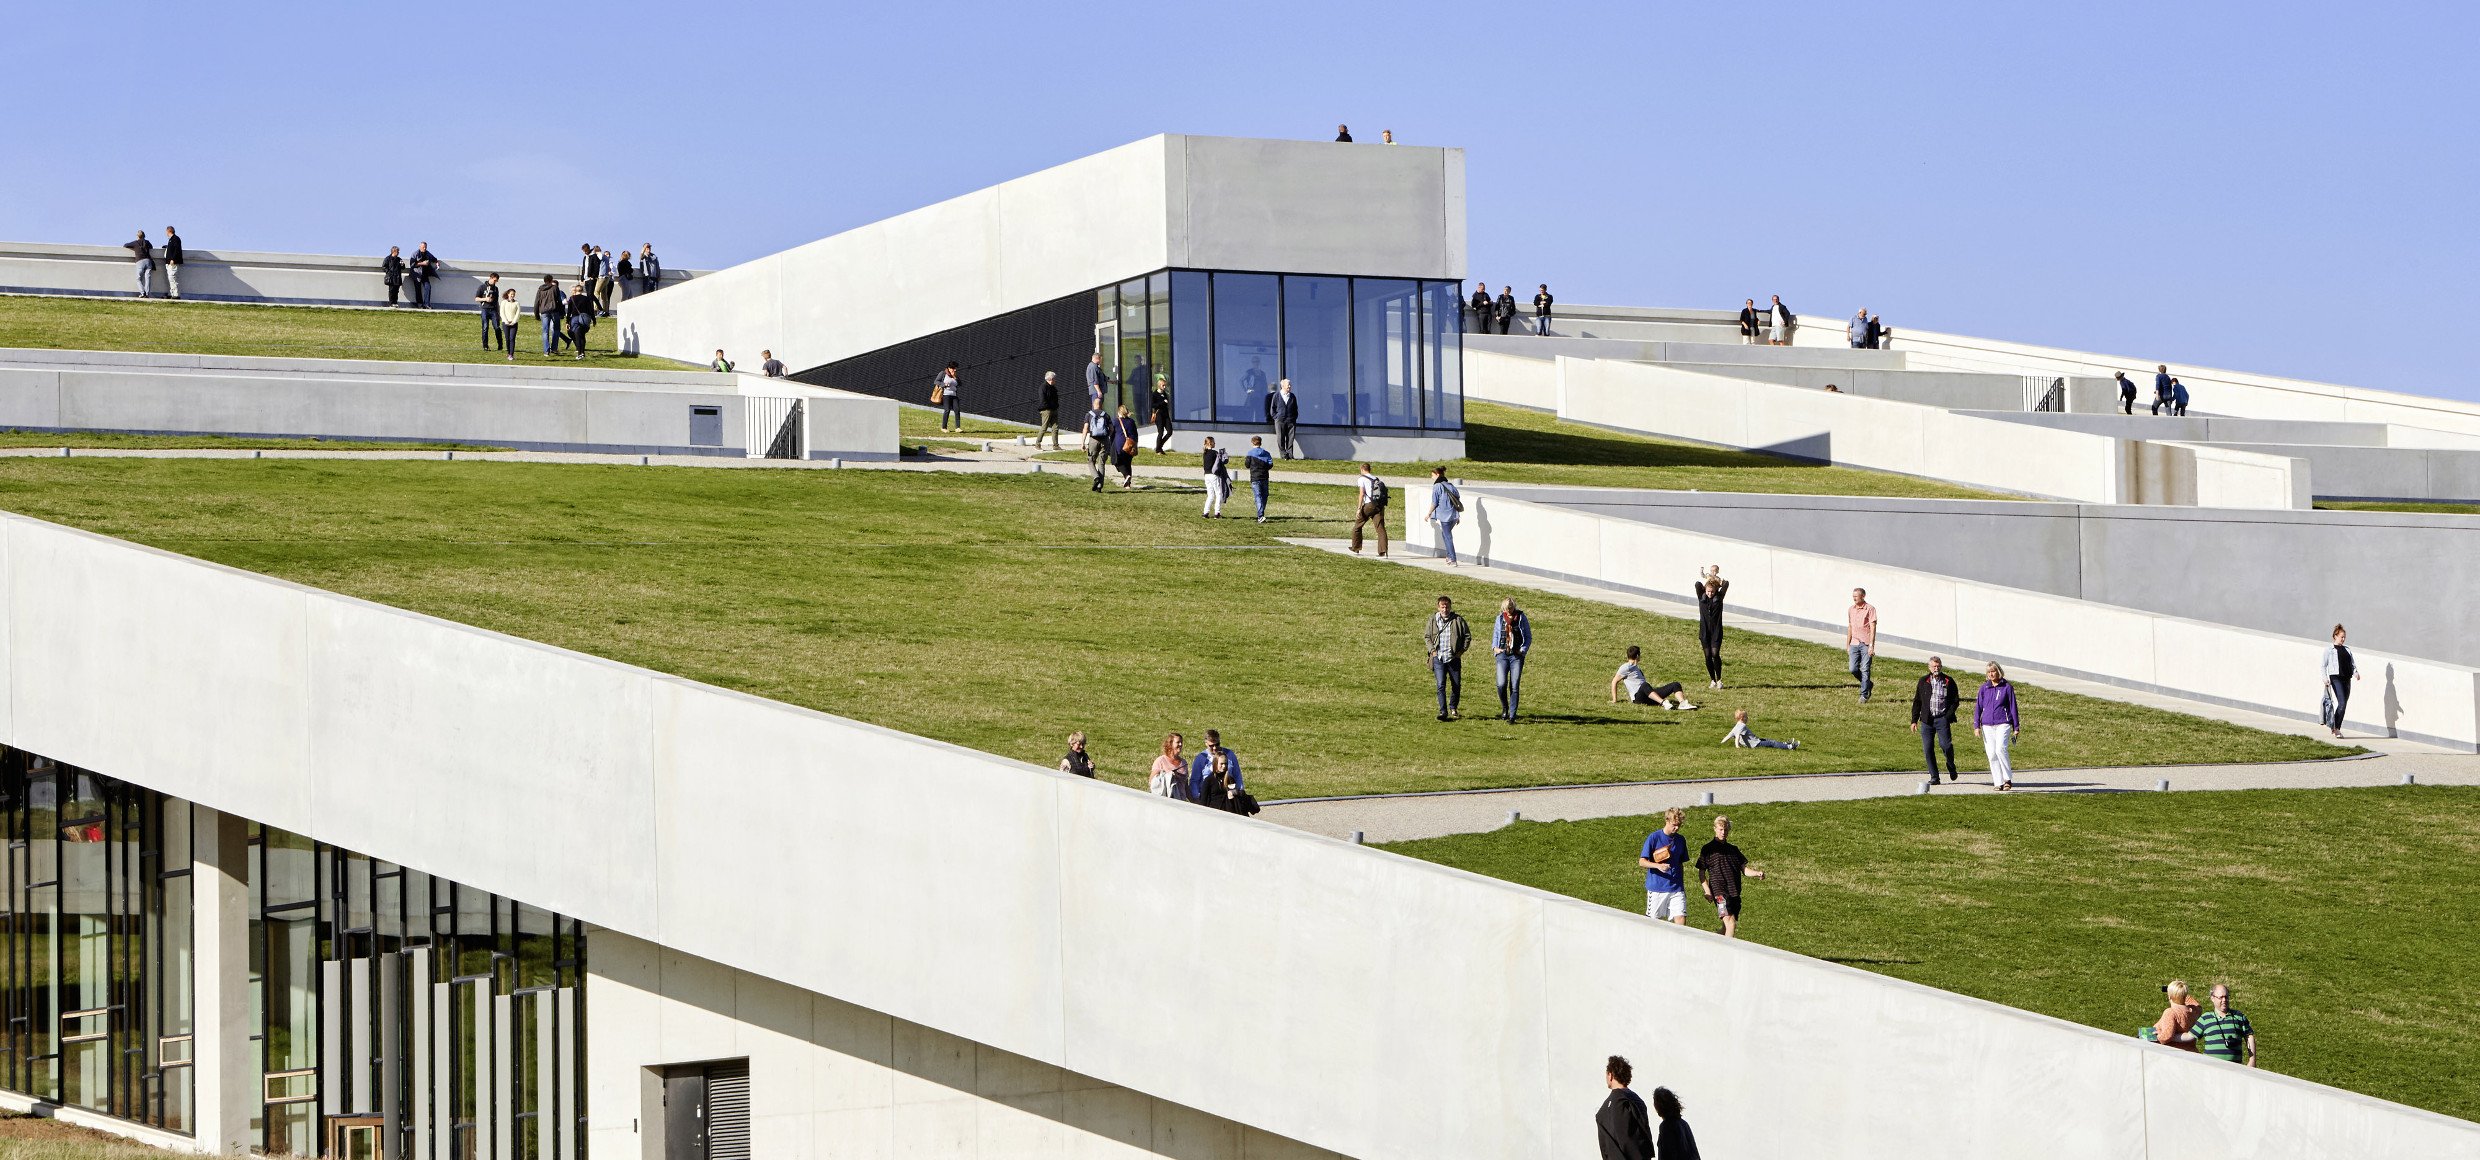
1684	705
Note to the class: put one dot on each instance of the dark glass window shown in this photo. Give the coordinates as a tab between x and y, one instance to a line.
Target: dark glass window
1247	355
1317	348
1192	353
1443	349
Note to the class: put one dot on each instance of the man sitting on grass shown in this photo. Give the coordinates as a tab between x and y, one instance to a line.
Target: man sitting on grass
1641	691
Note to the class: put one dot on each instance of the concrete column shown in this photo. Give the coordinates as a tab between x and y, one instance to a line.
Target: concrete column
228	1094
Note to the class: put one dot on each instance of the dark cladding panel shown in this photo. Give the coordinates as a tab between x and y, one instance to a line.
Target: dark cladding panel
1000	362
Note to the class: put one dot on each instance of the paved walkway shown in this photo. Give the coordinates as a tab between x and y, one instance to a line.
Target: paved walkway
1399	817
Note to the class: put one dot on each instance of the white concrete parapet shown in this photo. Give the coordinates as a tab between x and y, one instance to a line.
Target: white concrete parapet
221	275
1291	983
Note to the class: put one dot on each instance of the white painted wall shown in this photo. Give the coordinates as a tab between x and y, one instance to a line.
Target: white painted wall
1376	1006
2397	473
1686	352
1172	200
2430	700
1519	380
532	408
257	276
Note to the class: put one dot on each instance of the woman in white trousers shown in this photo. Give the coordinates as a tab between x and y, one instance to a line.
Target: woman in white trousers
1997	721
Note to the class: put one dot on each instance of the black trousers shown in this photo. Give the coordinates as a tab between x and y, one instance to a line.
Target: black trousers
1162	433
394	288
1938	733
1287	440
1709	634
2128	403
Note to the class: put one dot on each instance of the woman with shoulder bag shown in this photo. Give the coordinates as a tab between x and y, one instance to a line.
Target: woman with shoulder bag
1124	446
943	393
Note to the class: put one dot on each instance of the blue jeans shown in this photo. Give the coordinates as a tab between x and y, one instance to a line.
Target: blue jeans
550	324
952	408
1450	674
422	293
1541	325
1257	488
1510	682
490	328
1862	657
1446	538
1938	733
146	277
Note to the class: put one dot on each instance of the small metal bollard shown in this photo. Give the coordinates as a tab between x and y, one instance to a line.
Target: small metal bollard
645	461
1514	816
1356	837
1924	787
2411	779
1706	799
1037	469
2162	785
258	455
837	462
447	455
64	453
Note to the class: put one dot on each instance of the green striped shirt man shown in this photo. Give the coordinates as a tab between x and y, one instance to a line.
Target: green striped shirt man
2224	1035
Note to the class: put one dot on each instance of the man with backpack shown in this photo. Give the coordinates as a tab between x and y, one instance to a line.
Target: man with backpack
1373	507
1097	439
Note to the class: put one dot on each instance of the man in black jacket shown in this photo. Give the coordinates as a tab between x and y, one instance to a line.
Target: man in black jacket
1748	325
649	269
1541	311
144	251
1934	702
1625	1130
1506	306
2126	393
423	268
486	296
1050	411
172	260
1283	412
392	272
589	264
1480	309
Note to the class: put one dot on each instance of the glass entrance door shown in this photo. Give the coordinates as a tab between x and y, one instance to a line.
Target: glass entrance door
1106	342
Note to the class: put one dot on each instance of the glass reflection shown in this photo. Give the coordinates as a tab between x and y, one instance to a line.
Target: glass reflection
1317	348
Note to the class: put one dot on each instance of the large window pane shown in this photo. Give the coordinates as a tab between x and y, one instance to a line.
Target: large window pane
1192	382
1443	350
1317	348
1386	315
1158	348
1135	364
1247	360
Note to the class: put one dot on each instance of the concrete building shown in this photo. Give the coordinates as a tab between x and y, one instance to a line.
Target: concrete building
1211	266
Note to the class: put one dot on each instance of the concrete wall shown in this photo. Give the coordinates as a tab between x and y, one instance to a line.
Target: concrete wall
1686	352
2159	600
1516	379
2400	473
1352	1000
2199	428
255	276
531	408
828	1078
1212	202
2345	460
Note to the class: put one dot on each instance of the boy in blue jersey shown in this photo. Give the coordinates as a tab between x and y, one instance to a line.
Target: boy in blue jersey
1664	859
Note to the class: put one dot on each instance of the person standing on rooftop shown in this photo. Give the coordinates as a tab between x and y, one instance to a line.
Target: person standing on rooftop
624	279
1481	309
1873	335
1386	136
172	261
1997	720
604	281
391	270
2224	1033
1078	763
1343	134
1506	306
768	365
423	267
2178	397
1783	320
2126	393
2161	387
1860	640
720	365
1858	330
649	269
1541	311
1750	327
1621	1124
1050	411
144	252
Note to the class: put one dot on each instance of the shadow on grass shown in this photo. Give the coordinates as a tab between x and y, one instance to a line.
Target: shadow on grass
1544	440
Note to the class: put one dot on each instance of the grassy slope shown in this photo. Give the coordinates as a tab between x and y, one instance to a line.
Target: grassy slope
1002	612
448	332
1513	445
14	437
2328	910
2447	509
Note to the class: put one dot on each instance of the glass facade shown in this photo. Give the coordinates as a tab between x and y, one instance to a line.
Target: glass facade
386	1005
95	971
1361	352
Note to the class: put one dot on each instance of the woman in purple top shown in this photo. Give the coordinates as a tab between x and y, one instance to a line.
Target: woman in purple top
1996	722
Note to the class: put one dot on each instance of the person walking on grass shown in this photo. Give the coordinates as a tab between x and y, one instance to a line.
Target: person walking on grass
2340	668
1511	640
486	296
1097	433
391	270
1158	402
1096	380
1283	412
1169	777
1261	473
1672	1139
1934	701
511	312
1216	467
549	311
1710	589
2223	1033
580	317
1123	444
943	391
1050	411
1664	859
1446	638
1860	640
1720	867
1078	762
1373	496
1742	737
1997	720
1446	506
1639	689
1624	1130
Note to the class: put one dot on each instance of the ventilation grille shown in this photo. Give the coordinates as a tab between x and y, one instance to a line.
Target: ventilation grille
727	1111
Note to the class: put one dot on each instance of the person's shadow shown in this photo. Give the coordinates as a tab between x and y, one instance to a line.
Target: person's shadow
1481	533
2393	703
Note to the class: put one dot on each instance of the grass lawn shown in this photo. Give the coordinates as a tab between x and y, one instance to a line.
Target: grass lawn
2329	911
13	437
915	422
448	332
1512	445
1000	612
2439	509
42	1138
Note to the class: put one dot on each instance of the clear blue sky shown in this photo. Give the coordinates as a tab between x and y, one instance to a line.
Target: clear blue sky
2270	186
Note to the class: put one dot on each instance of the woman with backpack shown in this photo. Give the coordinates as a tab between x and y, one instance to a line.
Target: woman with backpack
1446	506
1124	446
943	395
